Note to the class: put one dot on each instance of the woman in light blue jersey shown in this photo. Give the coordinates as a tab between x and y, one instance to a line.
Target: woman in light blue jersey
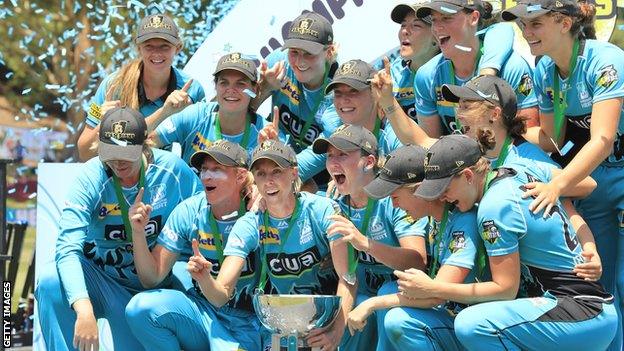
95	274
420	324
583	127
228	118
290	240
535	301
198	226
382	238
149	83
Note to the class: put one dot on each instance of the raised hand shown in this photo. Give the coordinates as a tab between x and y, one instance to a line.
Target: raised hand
139	213
270	131
381	85
108	105
198	266
272	78
177	100
343	226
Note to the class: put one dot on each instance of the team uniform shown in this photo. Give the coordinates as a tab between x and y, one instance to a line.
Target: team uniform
438	71
386	225
146	106
596	77
195	129
296	105
408	328
94	253
188	321
555	307
495	53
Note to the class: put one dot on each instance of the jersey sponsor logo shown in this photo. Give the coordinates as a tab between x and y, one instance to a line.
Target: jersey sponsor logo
200	142
526	85
294	125
248	266
583	95
170	234
206	241
403	93
109	209
282	264
376	229
118	231
410	111
490	232
290	90
608	76
458	241
550	93
269	235
95	111
621	215
581	121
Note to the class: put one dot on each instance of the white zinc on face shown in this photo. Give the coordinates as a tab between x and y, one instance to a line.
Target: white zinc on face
208	174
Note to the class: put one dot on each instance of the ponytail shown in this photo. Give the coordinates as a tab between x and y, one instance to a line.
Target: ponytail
124	86
583	24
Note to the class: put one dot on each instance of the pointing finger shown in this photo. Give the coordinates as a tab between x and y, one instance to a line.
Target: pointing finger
139	197
187	85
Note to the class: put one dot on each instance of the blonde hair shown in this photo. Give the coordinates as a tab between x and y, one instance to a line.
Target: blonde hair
247	186
124	85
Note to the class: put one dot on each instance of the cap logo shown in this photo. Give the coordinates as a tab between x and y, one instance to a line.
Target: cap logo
469	2
118	131
221	144
367	145
427	166
157	22
410	175
235	58
303	27
485	96
558	4
349	69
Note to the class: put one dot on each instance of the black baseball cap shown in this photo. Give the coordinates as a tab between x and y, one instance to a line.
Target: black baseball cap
348	138
158	26
448	156
237	62
275	151
122	133
535	8
405	165
225	152
485	88
448	7
310	32
354	73
401	10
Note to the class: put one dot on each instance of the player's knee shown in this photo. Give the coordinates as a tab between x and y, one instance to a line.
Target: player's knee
469	325
49	286
140	307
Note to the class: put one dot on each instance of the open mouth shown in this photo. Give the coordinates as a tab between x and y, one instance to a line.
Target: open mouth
231	99
534	42
347	109
302	69
405	43
210	188
339	178
443	39
157	62
272	192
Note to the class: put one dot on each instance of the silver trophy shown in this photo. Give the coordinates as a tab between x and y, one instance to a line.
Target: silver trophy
293	316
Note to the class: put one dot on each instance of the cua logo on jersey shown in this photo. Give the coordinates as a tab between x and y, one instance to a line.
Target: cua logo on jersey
109	209
490	232
608	76
526	84
458	242
118	232
294	125
269	235
282	264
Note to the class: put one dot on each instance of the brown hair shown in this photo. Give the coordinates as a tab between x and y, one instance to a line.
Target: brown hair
486	139
247	187
515	126
583	24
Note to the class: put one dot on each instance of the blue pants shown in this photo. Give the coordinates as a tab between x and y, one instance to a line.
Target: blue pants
603	211
364	339
527	324
58	319
166	319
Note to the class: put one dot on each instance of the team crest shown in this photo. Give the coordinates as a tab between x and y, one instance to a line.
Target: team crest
458	242
608	76
490	232
119	127
558	4
526	85
304	28
157	22
118	131
349	68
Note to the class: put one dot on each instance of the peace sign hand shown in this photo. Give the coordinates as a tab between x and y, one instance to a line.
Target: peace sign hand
139	213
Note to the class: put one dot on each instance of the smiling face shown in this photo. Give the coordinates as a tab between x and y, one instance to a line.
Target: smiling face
157	54
451	30
540	34
462	191
415	206
275	183
414	37
353	106
219	181
230	85
347	169
309	69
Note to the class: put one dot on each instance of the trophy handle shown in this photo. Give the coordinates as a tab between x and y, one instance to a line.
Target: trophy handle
292	342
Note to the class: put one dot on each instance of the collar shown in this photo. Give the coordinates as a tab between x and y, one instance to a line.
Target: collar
171	86
406	63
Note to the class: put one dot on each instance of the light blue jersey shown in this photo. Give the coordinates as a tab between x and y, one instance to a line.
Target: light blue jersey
188	221
437	72
596	78
301	266
146	106
195	129
295	105
91	226
386	225
387	140
496	51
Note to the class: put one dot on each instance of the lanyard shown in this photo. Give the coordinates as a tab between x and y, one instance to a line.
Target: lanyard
123	203
479	54
438	238
317	103
561	106
481	254
216	234
283	239
246	133
377	128
352	255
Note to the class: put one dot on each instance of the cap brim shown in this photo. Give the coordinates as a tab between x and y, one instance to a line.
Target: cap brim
380	188
247	74
109	152
353	83
198	158
453	93
280	161
432	189
309	46
437	6
321	145
521	11
168	37
399	12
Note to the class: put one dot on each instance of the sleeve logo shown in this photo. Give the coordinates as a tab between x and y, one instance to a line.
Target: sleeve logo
490	232
608	76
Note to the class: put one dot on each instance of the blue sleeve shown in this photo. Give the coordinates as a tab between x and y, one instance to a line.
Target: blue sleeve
196	92
94	114
74	223
497	46
178	127
310	163
519	75
462	240
244	237
190	184
501	220
540	82
390	141
177	231
426	102
604	74
405	226
322	208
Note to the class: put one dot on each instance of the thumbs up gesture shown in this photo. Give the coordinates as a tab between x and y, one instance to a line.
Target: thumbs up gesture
198	266
177	100
139	213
